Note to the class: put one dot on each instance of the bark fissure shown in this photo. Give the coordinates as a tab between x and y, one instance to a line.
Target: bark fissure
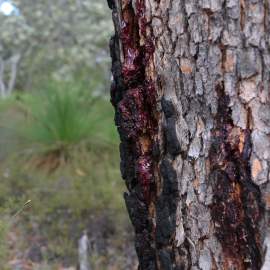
236	208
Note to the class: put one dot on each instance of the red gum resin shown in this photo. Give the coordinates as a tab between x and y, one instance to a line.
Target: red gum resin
137	107
144	172
135	119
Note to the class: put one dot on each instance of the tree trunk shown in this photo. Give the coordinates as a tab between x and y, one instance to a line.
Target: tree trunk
191	91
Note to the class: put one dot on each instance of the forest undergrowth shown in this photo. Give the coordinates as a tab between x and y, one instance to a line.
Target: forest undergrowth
59	150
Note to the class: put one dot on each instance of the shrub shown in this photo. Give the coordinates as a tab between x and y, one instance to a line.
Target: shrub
62	120
65	115
61	116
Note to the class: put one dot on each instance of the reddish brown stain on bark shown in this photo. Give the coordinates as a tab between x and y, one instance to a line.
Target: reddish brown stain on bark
236	204
137	116
134	98
133	95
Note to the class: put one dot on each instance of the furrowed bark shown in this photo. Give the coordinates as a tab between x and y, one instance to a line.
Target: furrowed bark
192	99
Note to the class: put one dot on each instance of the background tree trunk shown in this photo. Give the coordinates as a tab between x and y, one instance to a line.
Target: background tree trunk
191	92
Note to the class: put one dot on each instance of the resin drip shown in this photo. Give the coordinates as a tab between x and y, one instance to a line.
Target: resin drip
133	95
136	113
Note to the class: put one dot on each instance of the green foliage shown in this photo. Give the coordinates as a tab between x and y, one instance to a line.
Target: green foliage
68	119
58	143
58	118
56	38
64	115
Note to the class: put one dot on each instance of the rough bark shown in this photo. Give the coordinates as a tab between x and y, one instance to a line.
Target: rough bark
191	91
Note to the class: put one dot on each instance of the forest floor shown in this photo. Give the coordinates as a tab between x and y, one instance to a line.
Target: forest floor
50	197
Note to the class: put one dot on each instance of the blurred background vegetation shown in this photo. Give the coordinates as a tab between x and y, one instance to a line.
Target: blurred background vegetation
58	143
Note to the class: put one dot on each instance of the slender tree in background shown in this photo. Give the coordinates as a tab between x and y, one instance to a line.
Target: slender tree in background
191	91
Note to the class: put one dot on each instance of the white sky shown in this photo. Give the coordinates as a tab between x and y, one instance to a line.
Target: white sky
6	8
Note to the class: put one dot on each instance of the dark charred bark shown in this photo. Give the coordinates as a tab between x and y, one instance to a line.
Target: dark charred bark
191	95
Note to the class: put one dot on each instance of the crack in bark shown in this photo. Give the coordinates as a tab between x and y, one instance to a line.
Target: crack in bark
236	208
